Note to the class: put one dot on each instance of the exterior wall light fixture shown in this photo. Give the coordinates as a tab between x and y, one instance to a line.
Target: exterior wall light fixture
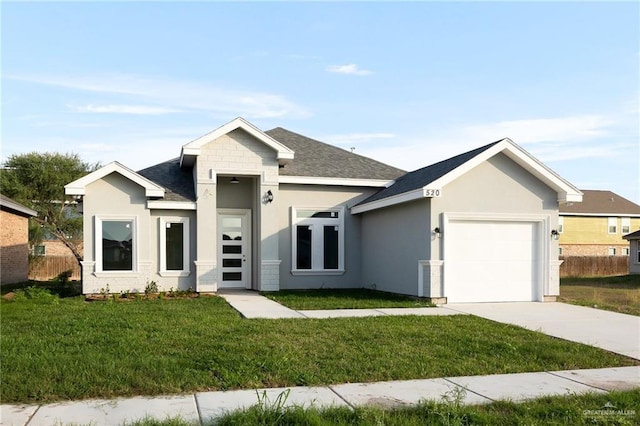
268	197
234	180
436	231
555	234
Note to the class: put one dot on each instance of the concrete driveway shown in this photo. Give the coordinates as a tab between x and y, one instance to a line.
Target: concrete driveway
619	333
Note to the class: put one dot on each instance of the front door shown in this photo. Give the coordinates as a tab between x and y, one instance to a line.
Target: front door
234	248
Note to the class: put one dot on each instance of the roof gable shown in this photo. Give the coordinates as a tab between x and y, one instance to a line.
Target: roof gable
601	203
191	150
78	187
318	159
429	181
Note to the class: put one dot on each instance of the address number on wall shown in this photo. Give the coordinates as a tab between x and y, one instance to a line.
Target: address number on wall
432	193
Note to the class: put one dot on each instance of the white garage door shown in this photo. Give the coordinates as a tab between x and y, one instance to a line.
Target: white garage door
487	261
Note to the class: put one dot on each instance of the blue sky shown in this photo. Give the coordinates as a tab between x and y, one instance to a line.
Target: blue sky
408	84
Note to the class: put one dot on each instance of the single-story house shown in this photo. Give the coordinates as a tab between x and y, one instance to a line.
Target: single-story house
634	253
243	208
14	235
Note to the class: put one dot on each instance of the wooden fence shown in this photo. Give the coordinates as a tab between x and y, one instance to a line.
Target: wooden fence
594	266
48	267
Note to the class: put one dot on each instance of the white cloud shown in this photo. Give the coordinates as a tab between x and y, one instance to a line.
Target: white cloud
543	129
549	139
348	69
123	109
178	95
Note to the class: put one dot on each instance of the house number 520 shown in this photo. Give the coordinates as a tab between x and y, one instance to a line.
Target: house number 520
432	193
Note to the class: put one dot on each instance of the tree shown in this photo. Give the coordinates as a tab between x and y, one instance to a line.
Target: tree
37	180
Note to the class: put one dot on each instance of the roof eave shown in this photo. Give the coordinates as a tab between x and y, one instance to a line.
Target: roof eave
78	187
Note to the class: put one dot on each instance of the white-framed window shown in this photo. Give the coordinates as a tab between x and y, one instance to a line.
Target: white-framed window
317	241
612	251
612	225
560	224
625	251
626	225
116	244
174	246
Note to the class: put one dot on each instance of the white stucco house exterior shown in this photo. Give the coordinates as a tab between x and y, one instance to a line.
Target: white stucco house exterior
243	208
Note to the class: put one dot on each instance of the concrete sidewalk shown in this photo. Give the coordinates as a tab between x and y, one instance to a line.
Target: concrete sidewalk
206	406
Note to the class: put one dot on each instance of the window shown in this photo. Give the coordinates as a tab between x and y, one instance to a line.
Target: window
612	225
116	247
612	251
174	246
625	251
626	225
318	241
560	224
39	250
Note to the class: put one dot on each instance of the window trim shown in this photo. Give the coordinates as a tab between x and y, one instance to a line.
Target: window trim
162	239
319	222
613	220
612	251
625	222
626	251
97	244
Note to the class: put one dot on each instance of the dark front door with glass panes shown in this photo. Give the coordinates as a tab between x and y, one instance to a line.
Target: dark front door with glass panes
234	236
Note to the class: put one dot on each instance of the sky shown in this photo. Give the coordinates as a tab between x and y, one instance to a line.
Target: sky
408	84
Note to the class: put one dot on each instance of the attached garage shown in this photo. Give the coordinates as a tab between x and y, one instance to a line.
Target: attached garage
492	261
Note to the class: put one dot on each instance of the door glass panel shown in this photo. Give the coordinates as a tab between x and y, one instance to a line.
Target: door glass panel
231	222
232	249
303	243
232	276
330	247
231	263
232	235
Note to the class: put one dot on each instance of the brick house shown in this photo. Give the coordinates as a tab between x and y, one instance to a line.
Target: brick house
14	237
596	226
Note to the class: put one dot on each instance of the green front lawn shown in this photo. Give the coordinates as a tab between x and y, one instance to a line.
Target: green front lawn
56	349
618	293
344	299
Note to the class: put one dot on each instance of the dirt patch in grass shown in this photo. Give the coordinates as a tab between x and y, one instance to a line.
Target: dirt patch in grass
618	294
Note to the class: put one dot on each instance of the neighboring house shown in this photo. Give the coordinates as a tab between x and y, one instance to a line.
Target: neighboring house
595	226
634	260
242	208
14	233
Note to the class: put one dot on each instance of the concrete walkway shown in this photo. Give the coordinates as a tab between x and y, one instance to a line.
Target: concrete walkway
250	304
614	332
206	406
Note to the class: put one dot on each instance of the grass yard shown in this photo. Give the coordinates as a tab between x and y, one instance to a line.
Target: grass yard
343	299
618	294
57	349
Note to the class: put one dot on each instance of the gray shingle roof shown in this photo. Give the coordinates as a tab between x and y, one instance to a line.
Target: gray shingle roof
424	176
632	236
318	159
176	180
601	202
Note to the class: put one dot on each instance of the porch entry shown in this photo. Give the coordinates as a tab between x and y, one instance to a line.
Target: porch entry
234	248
